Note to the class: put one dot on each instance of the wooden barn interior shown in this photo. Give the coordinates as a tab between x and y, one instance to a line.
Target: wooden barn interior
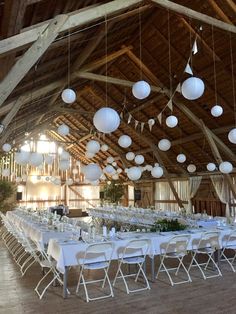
180	122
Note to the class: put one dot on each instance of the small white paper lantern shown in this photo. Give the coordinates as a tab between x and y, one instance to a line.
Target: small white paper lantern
124	141
64	155
36	159
232	136
6	172
191	168
110	160
226	167
63	130
93	146
115	176
89	155
130	156
181	158
134	173
114	164
104	148
192	88
171	121
164	144
126	170
48	159
216	111
157	172
211	166
75	171
106	120
92	172
64	165
68	96
141	90
69	181
6	147
109	169
149	167
139	159
119	170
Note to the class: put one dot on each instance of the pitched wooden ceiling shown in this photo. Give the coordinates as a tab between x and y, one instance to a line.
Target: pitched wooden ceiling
123	45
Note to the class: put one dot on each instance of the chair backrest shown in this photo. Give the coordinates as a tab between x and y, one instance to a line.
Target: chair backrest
231	239
139	247
96	252
209	239
177	244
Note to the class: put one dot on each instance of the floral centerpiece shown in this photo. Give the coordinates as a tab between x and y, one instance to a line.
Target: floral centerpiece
168	225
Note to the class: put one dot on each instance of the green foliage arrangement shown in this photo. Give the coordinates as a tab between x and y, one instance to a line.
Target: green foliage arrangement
168	225
7	189
113	192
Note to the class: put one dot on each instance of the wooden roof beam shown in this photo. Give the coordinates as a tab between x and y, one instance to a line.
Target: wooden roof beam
169	5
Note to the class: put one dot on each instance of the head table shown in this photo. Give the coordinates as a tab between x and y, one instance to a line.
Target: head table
66	246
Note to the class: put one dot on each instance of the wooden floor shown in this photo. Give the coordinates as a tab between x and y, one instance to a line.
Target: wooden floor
216	295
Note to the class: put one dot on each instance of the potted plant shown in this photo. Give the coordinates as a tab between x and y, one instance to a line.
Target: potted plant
7	189
113	192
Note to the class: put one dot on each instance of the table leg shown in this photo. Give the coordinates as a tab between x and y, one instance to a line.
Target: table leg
152	268
65	277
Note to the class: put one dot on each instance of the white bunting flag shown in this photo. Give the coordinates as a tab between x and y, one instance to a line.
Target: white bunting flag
121	114
170	105
136	124
188	69
159	117
129	119
194	49
142	126
178	88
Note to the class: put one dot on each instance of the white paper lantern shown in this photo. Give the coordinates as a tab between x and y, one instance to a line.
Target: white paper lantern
164	144
64	155
68	96
134	173
181	158
69	181
139	159
6	172
46	179
115	176
36	159
171	121
124	141
89	155
192	88
157	172
151	122
141	90
130	156
191	168
110	160
149	167
104	148
92	172
216	111
93	146
232	136
126	170
63	130
109	169
211	166
64	165
114	164
48	159
106	120
75	171
6	147
119	170
226	167
22	158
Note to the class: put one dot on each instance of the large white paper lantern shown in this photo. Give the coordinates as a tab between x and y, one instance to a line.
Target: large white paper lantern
139	159
232	136
191	168
181	158
6	147
130	156
226	167
48	159
109	169
106	120
63	130
64	165
104	148
89	155
192	88
124	141
68	96
216	111
6	172
164	144
64	155
171	121
22	158
93	146
211	166
157	172
134	173
110	160
141	90
92	172
36	159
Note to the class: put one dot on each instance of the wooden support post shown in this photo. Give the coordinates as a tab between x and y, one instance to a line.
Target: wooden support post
30	57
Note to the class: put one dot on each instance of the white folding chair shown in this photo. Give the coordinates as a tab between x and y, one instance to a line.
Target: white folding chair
175	249
97	256
230	245
134	254
207	245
